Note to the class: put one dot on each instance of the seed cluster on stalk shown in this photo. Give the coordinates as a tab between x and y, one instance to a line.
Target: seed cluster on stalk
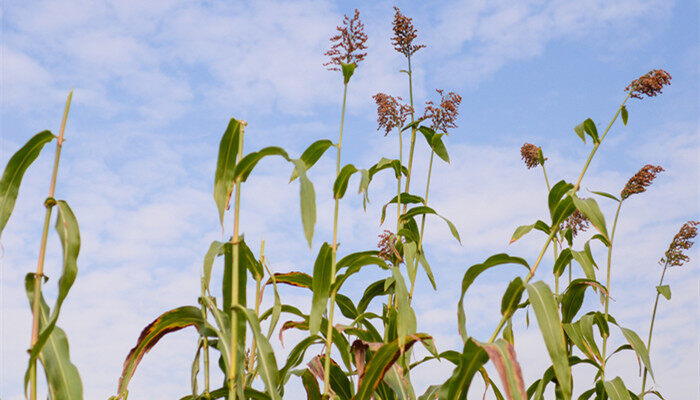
649	84
675	255
530	155
640	181
404	34
348	44
391	113
387	246
577	222
444	114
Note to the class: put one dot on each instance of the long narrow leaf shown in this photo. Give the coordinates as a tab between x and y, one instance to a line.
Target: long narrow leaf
321	286
267	365
225	166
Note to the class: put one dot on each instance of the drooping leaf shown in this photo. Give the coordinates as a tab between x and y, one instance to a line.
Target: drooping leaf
639	348
14	172
624	114
616	389
399	383
512	296
267	365
422	210
664	290
562	261
589	208
341	181
247	163
525	229
472	273
69	235
62	375
572	298
229	148
502	355
556	193
406	198
406	317
216	249
473	357
294	278
321	286
585	260
168	322
434	140
542	301
339	382
296	356
307	197
313	391
605	194
587	127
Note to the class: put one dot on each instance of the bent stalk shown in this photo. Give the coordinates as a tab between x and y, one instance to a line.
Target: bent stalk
42	247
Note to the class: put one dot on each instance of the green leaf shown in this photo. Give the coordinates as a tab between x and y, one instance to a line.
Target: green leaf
589	208
525	229
406	198
399	383
473	358
512	296
341	181
431	393
216	249
229	147
381	362
623	114
580	132
168	322
312	154
313	391
605	194
435	142
639	347
616	389
294	278
14	171
406	318
245	166
585	260
422	210
307	196
296	356
542	301
572	298
267	365
472	273
348	70
591	130
321	286
503	357
562	261
664	290
69	234
195	368
63	378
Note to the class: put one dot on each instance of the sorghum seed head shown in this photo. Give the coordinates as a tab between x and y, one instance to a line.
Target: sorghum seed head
444	115
404	34
390	112
348	44
577	222
649	84
387	246
530	155
640	181
675	255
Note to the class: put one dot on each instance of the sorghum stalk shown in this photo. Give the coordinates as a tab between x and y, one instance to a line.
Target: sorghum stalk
398	185
258	300
413	129
651	329
334	251
235	239
554	231
42	247
607	285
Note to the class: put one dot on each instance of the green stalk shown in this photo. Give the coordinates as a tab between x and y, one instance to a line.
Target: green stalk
607	285
334	248
533	269
544	170
258	300
206	358
422	223
398	186
234	277
651	330
413	130
42	247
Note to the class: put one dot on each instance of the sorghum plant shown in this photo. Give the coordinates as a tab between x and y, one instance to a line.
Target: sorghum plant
48	343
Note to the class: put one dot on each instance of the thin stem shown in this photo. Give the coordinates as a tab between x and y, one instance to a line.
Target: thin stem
607	285
334	248
651	330
422	223
233	357
413	130
398	185
544	170
206	353
42	247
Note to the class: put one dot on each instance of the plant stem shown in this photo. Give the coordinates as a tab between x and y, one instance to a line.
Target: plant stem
544	170
651	329
607	285
206	355
233	356
42	247
334	251
398	186
413	130
422	223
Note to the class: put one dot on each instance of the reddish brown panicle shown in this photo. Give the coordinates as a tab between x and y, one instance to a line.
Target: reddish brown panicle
530	155
444	115
649	84
577	222
387	246
390	112
675	255
404	34
640	181
348	44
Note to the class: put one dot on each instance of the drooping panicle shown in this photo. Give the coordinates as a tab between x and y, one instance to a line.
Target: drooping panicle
530	155
387	246
675	255
391	113
404	34
577	222
348	44
443	115
640	181
649	84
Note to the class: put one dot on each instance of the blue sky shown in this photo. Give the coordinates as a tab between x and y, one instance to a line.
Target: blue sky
156	82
